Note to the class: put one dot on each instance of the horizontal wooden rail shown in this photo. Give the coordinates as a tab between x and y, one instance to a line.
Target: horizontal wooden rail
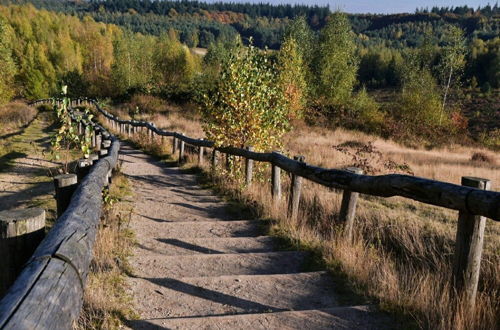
448	195
48	294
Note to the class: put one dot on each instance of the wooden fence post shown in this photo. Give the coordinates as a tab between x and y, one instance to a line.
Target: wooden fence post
65	185
83	168
214	160
93	158
181	150
93	139
200	156
469	246
228	162
296	186
276	183
103	153
20	233
348	207
98	140
174	145
106	144
248	169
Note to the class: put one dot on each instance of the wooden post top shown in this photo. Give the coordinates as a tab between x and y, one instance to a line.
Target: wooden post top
84	162
474	182
65	180
93	157
19	222
355	170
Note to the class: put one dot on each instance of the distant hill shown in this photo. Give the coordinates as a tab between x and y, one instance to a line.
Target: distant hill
199	23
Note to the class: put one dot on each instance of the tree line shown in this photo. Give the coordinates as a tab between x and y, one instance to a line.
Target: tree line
41	51
381	39
322	75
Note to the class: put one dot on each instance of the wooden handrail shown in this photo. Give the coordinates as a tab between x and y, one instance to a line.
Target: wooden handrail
48	294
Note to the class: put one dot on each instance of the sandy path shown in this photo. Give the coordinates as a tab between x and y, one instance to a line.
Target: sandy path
198	264
24	169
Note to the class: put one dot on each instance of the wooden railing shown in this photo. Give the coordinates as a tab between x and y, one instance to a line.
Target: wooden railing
472	199
48	294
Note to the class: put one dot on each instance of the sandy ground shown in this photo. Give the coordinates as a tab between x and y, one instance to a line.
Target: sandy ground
25	179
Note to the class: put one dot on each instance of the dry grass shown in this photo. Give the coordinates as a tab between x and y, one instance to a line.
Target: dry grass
106	304
14	115
402	251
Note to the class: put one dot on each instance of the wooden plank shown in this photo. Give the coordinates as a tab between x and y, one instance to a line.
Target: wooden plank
469	247
348	207
295	192
248	169
53	302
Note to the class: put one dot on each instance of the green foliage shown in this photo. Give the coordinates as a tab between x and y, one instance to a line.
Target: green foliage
67	137
247	107
133	67
292	77
338	63
379	67
452	61
7	65
366	112
175	66
304	37
419	104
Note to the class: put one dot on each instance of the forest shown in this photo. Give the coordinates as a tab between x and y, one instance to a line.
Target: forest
335	68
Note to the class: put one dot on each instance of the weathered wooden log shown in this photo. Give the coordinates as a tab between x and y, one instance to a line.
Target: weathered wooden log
94	158
214	160
57	271
348	207
276	183
103	153
248	169
93	139
200	156
98	141
181	152
469	247
228	162
20	233
174	145
295	192
65	185
106	144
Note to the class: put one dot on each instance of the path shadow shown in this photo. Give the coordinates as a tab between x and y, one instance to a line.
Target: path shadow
212	295
188	246
154	219
27	195
6	160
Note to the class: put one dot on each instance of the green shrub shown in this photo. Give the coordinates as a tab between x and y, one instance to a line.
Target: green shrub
366	112
247	106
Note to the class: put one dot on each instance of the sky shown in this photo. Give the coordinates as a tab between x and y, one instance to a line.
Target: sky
377	6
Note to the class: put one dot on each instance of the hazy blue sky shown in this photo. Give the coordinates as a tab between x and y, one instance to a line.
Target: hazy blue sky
378	6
